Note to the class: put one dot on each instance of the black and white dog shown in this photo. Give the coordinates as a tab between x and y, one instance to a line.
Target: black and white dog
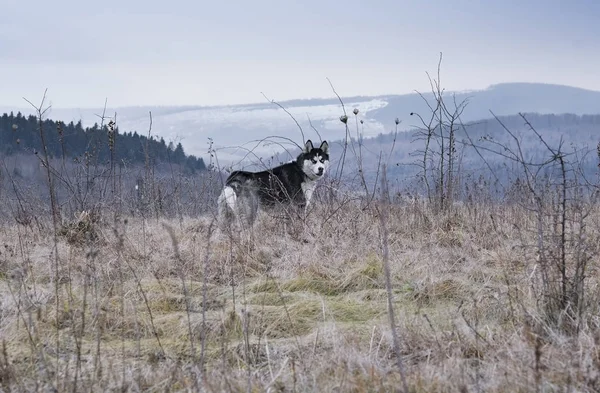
290	184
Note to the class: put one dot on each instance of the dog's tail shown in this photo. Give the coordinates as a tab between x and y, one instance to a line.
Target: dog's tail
226	204
237	201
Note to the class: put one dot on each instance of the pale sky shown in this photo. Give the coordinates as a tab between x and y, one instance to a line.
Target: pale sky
148	52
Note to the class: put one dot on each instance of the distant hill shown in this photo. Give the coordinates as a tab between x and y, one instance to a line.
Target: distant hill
503	99
236	129
20	134
576	133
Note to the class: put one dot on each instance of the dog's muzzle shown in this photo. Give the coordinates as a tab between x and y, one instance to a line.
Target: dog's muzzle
320	172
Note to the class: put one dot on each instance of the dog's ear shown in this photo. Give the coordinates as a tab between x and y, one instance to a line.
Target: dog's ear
325	147
308	146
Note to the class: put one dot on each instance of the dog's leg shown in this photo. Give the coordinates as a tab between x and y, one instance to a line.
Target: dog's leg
246	213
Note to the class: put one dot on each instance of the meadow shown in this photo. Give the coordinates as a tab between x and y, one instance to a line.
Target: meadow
170	305
453	288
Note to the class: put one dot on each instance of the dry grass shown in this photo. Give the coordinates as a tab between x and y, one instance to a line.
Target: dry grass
282	314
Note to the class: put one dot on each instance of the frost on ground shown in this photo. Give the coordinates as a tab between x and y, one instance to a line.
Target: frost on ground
169	305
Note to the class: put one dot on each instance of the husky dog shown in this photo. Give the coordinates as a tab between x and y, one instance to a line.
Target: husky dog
290	184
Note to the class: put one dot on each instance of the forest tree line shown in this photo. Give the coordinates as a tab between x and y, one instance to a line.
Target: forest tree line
19	134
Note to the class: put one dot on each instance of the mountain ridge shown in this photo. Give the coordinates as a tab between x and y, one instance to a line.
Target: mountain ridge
330	99
235	125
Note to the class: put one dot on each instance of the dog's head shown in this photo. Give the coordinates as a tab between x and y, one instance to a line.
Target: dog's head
314	160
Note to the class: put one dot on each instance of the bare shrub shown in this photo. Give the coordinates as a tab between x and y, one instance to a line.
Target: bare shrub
438	162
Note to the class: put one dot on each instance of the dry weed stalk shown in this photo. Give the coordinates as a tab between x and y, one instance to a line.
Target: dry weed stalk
382	213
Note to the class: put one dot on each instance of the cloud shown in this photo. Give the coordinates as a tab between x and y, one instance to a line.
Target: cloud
186	52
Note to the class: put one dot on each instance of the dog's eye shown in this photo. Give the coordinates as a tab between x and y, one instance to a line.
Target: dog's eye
314	161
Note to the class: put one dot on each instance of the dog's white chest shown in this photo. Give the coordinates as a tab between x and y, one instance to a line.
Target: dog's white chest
308	188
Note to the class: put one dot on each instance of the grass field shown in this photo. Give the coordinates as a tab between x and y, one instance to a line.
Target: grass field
170	305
